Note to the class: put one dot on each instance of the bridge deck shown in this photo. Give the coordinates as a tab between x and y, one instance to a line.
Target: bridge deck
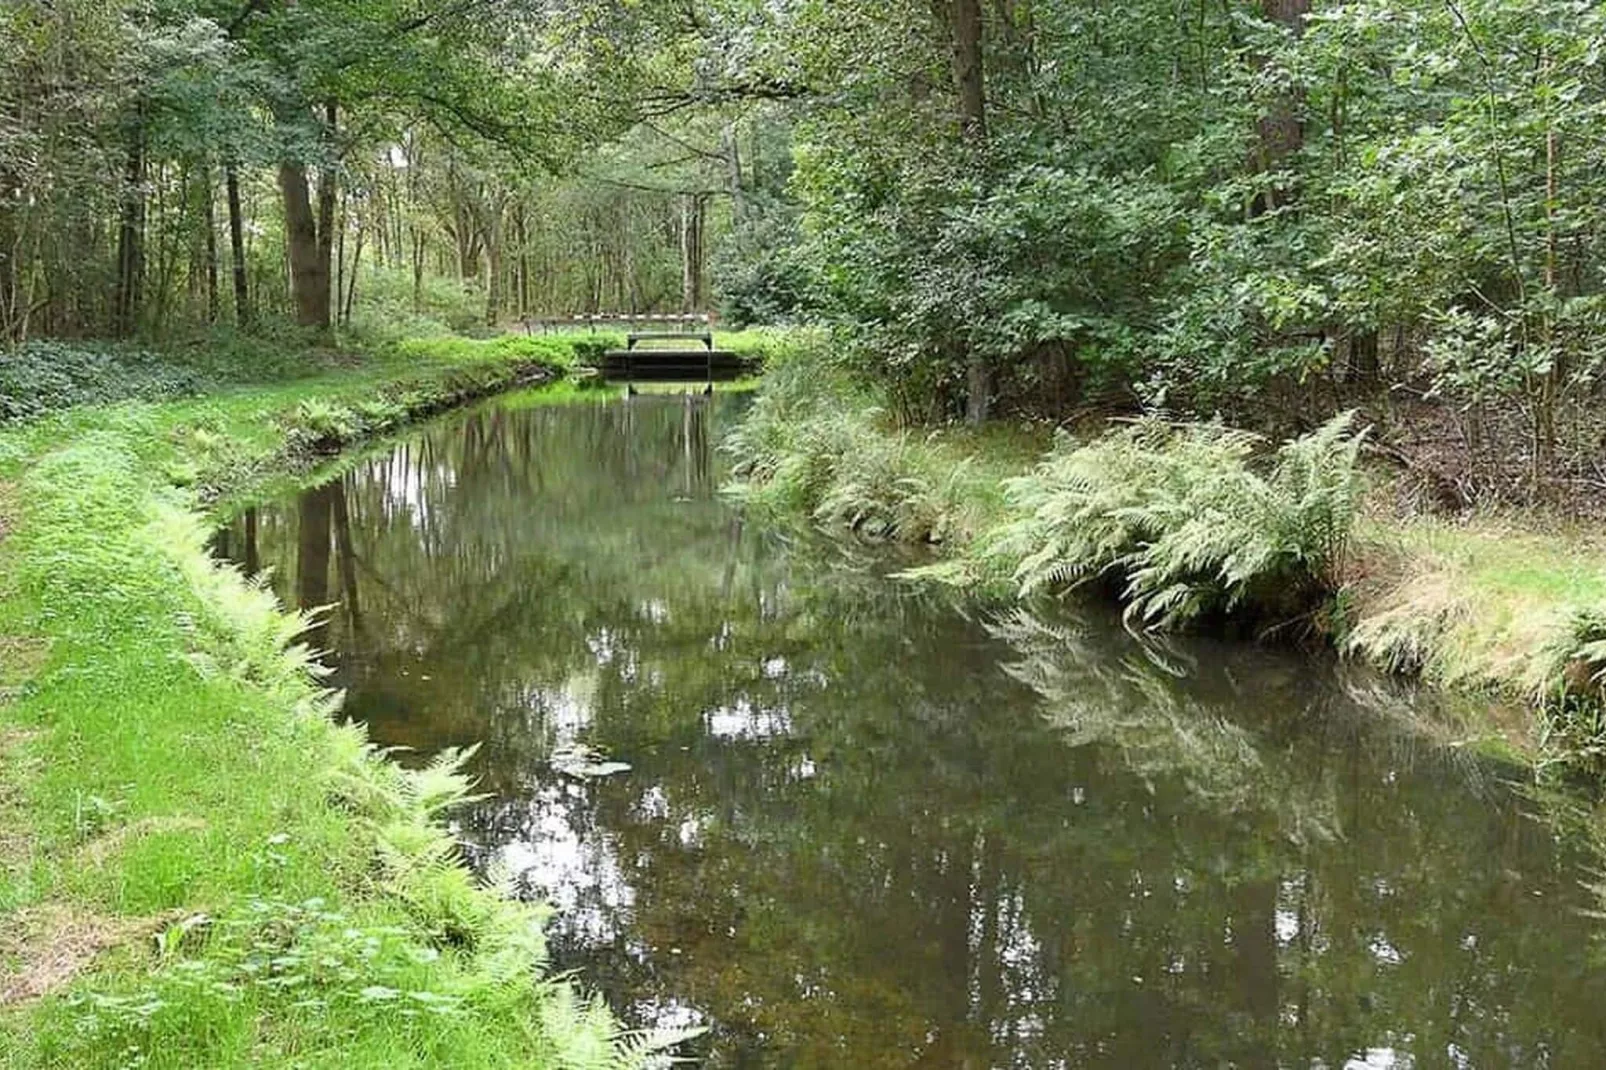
674	365
635	338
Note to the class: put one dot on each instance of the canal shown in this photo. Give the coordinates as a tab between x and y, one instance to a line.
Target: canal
840	822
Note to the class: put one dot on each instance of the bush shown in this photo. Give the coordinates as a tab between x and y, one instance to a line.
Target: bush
1184	517
553	350
386	309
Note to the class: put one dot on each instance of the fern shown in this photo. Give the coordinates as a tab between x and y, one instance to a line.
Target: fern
1187	519
817	451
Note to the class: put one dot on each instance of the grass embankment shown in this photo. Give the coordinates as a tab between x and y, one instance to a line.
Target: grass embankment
198	867
1512	605
1197	525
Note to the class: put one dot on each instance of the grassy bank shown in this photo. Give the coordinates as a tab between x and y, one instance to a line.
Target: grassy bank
199	868
1203	527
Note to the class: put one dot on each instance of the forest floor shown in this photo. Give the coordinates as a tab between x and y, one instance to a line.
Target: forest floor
198	867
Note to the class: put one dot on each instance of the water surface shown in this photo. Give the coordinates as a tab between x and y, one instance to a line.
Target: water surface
865	828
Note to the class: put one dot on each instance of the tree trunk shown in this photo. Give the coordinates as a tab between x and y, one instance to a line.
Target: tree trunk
340	266
969	71
1281	133
493	227
521	234
493	276
309	237
309	271
691	252
327	200
242	294
10	246
970	85
131	233
356	265
1364	367
733	172
209	210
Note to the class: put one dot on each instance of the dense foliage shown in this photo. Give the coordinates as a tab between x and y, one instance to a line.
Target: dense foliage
1187	520
1267	209
394	166
1261	210
40	376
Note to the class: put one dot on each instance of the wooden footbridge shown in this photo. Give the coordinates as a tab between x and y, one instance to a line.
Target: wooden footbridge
663	357
658	348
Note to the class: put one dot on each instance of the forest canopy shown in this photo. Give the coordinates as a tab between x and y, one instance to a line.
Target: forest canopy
1000	205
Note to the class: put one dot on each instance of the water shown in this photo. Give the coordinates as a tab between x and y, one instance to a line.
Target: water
862	828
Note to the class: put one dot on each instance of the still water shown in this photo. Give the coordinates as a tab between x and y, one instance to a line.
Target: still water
862	827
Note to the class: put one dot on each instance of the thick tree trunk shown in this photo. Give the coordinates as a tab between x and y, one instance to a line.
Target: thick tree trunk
242	293
969	73
309	270
970	85
309	233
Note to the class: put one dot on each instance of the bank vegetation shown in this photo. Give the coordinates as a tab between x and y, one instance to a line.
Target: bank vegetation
1199	526
203	866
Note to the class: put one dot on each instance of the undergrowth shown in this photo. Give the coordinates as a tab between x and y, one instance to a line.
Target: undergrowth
1190	519
41	376
813	446
1201	525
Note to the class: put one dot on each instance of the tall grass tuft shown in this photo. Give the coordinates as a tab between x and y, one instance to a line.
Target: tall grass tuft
814	447
1190	519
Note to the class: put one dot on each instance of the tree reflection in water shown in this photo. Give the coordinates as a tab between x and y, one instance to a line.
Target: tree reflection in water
862	829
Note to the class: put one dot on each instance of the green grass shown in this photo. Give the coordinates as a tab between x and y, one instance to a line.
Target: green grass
1504	604
815	447
262	889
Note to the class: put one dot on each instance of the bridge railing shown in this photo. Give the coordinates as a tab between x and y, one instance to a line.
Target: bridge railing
614	320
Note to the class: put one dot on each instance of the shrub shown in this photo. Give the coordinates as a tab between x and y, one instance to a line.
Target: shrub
788	447
388	307
1188	520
